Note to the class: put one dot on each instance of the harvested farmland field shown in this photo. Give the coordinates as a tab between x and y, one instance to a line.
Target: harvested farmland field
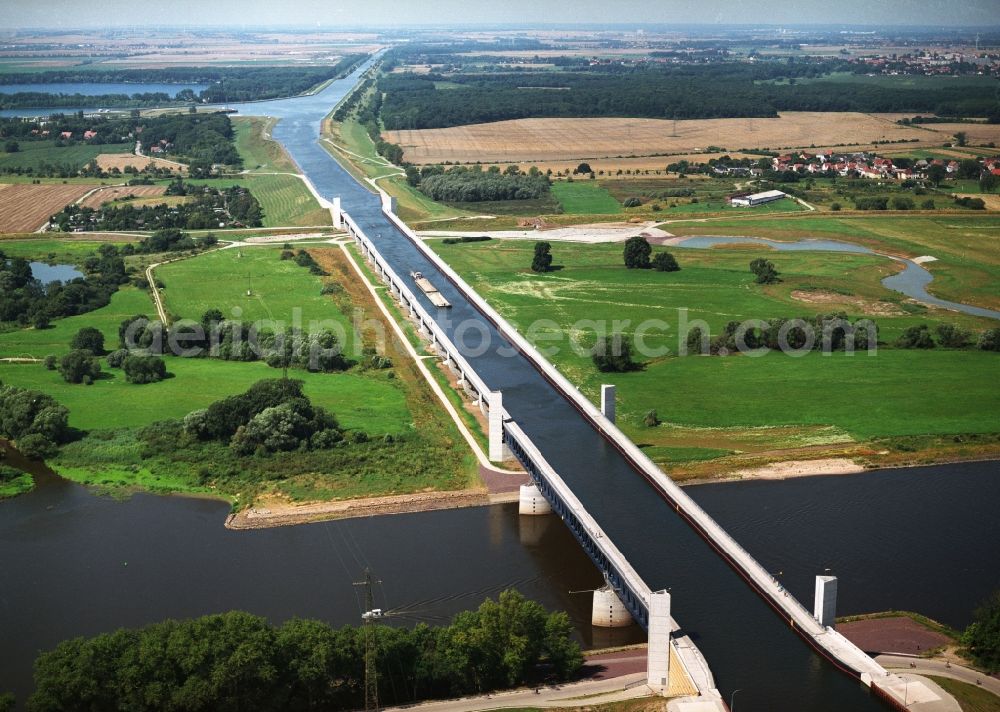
108	161
118	192
543	140
25	207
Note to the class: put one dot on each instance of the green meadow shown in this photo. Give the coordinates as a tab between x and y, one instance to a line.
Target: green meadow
412	447
738	404
33	154
585	197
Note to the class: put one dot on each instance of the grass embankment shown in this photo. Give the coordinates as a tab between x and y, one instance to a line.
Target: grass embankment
413	447
285	199
970	698
772	407
349	143
968	266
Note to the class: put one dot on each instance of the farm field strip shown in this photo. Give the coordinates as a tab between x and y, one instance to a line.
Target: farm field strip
109	161
26	208
545	140
105	195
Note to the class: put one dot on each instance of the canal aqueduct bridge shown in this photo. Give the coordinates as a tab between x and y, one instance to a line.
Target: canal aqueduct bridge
673	661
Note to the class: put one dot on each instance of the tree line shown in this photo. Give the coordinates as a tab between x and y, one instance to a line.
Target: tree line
235	661
728	90
226	84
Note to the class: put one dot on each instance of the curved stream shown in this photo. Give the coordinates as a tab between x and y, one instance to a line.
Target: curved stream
911	282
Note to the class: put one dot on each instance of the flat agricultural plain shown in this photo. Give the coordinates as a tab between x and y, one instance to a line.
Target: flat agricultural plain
119	192
108	161
25	207
544	140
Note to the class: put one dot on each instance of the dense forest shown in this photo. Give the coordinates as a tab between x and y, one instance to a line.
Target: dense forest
238	661
207	208
721	90
226	84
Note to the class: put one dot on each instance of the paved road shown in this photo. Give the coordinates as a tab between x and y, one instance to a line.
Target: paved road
924	666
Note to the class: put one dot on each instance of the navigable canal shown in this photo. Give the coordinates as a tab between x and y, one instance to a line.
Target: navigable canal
923	539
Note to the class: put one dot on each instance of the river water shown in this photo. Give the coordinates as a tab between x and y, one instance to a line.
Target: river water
98	89
67	551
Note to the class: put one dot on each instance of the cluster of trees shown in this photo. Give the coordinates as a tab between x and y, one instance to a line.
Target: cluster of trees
272	416
235	660
198	139
25	301
33	420
462	184
637	255
829	332
209	208
947	336
304	259
232	340
718	90
226	84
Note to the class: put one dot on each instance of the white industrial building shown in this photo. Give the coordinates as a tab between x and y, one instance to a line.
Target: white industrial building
757	198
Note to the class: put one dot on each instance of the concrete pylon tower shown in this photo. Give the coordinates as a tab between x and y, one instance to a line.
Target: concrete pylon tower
825	605
658	651
608	401
498	450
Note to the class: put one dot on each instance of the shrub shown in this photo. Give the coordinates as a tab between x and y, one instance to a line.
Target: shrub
637	252
916	337
89	339
651	419
953	337
972	203
116	358
835	207
632	203
79	364
901	202
51	362
542	260
665	262
144	369
764	271
613	354
36	447
989	340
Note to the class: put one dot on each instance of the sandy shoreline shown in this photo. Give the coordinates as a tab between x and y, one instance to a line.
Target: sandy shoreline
279	514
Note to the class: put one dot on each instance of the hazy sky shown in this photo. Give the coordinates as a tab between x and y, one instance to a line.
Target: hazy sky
356	13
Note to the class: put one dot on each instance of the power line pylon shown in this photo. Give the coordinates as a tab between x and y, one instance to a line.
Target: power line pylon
368	619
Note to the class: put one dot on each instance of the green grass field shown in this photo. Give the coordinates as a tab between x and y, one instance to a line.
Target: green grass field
375	405
709	402
970	697
968	266
584	197
258	152
282	291
286	200
34	154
